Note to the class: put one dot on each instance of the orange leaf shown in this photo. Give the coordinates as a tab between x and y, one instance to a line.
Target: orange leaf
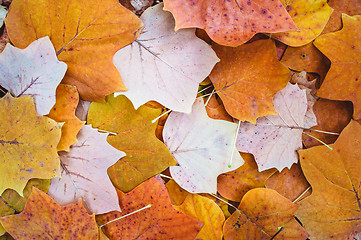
343	49
333	209
28	144
43	218
231	23
306	58
263	214
234	185
290	183
206	211
67	99
247	78
85	34
160	221
177	195
332	116
216	110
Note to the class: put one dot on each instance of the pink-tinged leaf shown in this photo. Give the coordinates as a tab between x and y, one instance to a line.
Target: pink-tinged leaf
84	173
275	139
33	71
202	147
164	65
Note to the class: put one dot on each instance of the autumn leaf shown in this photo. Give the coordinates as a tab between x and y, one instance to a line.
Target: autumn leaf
202	147
177	195
342	80
34	71
67	99
310	18
85	35
28	144
340	112
206	211
333	209
216	110
231	23
11	202
43	218
247	78
84	173
135	135
264	214
160	221
163	65
275	138
234	185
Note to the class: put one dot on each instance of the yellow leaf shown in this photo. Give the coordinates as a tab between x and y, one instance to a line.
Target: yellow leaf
27	144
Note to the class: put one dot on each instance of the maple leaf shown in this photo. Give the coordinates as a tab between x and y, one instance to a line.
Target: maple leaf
234	185
310	18
342	79
202	147
333	209
33	71
83	173
247	78
206	211
85	35
67	99
43	218
275	138
146	155
28	144
262	213
160	221
231	23
163	65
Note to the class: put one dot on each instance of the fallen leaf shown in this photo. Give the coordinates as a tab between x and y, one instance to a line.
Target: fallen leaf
28	144
11	201
177	195
160	221
34	71
262	214
350	7
247	78
332	116
163	65
206	211
67	99
146	156
4	39
333	209
85	34
234	185
310	18
84	173
202	147
43	218
82	109
3	12
306	58
275	139
231	23
290	183
216	110
342	81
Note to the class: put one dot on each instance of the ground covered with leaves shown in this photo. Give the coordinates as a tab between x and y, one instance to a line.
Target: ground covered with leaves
180	119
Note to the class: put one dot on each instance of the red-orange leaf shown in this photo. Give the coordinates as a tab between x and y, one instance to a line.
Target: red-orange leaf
231	23
160	221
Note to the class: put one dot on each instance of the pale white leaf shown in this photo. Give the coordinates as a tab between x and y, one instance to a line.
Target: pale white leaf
3	13
202	147
164	65
276	138
33	71
84	173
